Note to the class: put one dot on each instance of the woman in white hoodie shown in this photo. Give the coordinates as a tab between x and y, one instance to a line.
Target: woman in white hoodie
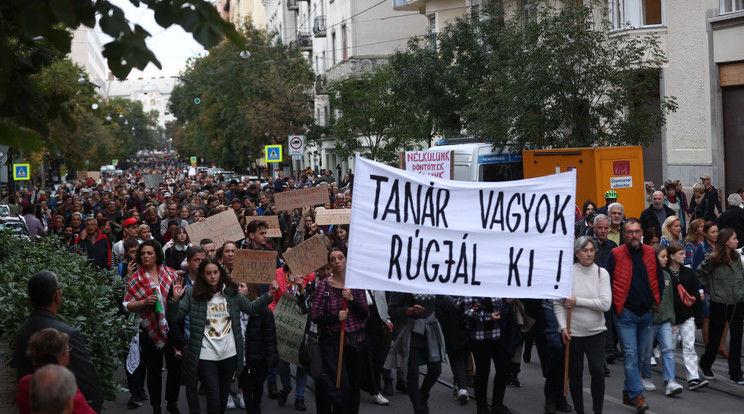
591	297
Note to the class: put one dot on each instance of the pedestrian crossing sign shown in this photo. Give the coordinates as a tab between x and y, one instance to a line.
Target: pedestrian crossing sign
21	172
273	153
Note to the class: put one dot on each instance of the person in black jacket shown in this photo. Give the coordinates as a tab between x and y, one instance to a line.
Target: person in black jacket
261	353
701	206
656	213
733	217
45	293
684	329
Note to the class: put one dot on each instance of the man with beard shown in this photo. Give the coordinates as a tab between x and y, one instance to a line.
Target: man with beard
615	233
656	213
637	286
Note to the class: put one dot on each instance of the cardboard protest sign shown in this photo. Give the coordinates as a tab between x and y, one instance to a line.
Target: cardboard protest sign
290	328
289	200
153	180
220	228
333	216
419	234
95	175
433	163
307	256
273	221
254	266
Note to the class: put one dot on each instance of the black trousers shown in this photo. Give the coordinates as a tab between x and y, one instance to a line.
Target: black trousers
151	359
417	394
594	349
720	314
485	352
327	398
216	377
251	380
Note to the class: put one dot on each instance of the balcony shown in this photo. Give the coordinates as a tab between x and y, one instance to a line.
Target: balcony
319	28
355	66
293	5
409	5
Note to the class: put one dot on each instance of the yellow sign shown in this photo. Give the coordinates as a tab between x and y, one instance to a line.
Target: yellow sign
273	153
193	161
21	172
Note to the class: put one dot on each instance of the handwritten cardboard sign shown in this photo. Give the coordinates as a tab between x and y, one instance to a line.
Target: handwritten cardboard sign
95	175
308	256
290	328
153	180
334	216
254	266
273	221
289	200
220	228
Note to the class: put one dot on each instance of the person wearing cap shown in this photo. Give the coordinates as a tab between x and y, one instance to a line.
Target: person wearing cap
164	205
711	192
610	197
131	231
236	205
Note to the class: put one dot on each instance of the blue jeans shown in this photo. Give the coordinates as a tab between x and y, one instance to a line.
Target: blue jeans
663	333
285	375
633	332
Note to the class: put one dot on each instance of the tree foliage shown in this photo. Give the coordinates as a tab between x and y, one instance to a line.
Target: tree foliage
554	78
33	34
243	103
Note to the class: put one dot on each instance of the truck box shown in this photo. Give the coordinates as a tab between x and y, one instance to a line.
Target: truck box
598	170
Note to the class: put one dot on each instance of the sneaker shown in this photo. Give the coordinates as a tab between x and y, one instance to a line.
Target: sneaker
707	372
379	399
273	390
648	385
134	402
462	395
672	388
696	384
640	404
283	396
737	379
241	401
513	381
299	404
230	402
653	361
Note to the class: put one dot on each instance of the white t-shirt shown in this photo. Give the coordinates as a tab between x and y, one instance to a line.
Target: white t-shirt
219	342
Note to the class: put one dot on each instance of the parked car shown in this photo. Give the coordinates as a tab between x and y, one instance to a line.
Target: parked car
4	210
16	226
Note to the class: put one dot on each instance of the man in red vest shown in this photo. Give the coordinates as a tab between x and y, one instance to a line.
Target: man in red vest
637	284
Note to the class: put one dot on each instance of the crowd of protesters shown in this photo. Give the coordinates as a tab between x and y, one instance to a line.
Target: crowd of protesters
638	284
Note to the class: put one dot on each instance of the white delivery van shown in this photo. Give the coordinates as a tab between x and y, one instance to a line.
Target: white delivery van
478	161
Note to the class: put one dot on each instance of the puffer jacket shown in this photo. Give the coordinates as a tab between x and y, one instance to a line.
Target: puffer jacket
725	282
197	309
260	340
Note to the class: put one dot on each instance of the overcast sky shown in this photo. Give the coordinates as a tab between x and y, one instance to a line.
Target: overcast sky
172	46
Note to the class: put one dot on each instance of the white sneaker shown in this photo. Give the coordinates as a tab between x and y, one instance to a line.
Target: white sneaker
673	388
462	395
241	402
230	402
379	399
653	361
648	385
656	353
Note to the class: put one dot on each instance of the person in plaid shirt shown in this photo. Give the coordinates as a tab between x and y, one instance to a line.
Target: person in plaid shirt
483	323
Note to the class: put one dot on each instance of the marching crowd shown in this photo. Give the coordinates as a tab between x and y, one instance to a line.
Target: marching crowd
641	286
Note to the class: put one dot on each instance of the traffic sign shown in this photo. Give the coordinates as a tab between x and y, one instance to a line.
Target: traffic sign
296	145
21	172
193	161
115	162
273	153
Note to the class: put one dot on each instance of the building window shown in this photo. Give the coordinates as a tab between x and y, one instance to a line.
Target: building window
730	6
344	42
628	14
333	48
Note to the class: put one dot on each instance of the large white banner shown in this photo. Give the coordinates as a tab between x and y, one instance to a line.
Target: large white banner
418	234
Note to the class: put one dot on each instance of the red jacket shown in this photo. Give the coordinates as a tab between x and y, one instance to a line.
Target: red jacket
623	274
281	278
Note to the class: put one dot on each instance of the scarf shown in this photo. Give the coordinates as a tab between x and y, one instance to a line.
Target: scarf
672	199
140	287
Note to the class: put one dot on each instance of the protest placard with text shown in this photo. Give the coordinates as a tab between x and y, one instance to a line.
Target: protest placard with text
327	217
220	228
153	180
289	200
272	221
433	163
254	266
419	234
308	256
290	328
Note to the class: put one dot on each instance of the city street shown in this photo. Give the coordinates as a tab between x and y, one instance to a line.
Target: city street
720	397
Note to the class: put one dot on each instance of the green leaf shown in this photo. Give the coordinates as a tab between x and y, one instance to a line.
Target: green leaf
14	136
